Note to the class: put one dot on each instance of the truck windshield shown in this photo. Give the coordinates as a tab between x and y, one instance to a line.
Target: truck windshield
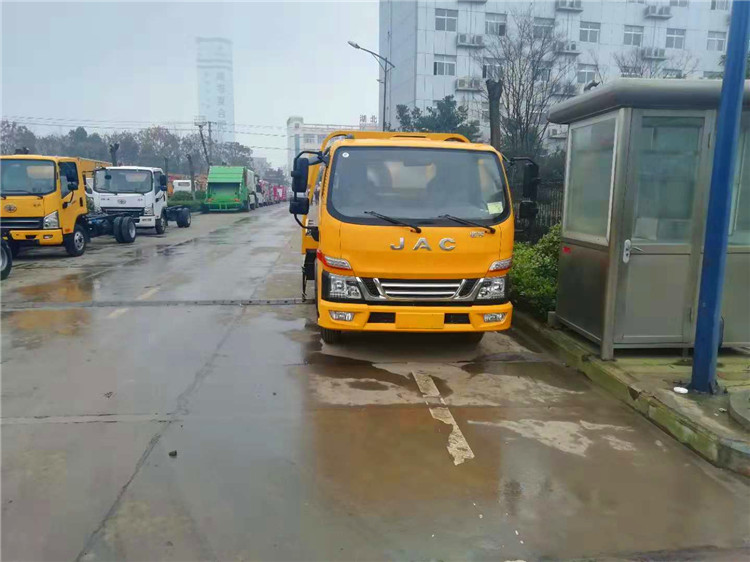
26	177
417	184
123	181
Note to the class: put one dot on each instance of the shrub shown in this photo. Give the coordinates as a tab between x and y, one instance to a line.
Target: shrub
200	195
194	206
181	196
533	277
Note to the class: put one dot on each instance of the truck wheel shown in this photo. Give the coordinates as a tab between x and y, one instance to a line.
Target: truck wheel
245	207
7	260
472	338
161	223
330	336
15	248
117	229
204	208
184	218
75	242
128	231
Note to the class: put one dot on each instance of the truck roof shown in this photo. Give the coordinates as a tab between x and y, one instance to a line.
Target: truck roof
414	143
225	174
133	168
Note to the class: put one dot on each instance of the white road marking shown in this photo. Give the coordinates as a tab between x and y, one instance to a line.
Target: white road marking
117	312
148	294
458	447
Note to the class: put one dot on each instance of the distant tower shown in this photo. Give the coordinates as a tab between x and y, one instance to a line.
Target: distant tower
216	85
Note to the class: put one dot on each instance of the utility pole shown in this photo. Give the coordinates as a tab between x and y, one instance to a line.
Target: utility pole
166	168
203	143
192	174
387	66
708	325
113	148
210	141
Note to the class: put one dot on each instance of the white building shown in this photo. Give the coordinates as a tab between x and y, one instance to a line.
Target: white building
309	136
216	86
434	44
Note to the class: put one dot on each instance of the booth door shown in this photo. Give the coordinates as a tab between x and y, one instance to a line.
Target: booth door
667	167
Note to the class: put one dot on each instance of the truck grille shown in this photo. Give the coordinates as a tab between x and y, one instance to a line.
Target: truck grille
428	289
123	211
20	223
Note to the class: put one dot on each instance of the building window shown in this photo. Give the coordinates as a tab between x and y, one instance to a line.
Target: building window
679	3
444	65
713	75
485	111
633	35
590	31
309	139
629	72
220	101
675	38
636	1
445	20
719	4
586	73
494	24
543	26
543	71
492	68
716	41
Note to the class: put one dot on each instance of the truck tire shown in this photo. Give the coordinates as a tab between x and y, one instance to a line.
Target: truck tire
128	231
330	336
245	207
117	229
7	260
472	338
161	223
184	218
15	248
75	242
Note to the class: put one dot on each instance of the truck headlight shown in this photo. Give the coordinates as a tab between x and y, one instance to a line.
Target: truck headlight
51	221
148	209
343	287
493	288
501	264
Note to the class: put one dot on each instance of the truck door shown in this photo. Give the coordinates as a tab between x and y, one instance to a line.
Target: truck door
73	202
160	197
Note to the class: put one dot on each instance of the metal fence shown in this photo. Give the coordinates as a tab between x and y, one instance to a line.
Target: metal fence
550	204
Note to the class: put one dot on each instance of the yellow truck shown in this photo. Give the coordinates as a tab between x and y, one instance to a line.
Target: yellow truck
412	232
43	203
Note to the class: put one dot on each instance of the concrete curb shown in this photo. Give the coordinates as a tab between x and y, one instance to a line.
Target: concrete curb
723	452
739	407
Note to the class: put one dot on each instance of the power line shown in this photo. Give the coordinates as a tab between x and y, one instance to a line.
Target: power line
61	121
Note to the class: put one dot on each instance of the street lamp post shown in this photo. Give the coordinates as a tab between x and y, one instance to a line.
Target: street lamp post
386	65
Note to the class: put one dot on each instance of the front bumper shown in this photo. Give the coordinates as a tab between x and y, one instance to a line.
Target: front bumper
414	318
223	206
145	221
36	237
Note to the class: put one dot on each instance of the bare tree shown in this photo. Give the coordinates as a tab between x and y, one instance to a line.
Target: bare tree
534	72
640	63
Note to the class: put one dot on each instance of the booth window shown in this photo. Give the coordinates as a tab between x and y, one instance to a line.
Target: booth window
739	223
590	181
668	153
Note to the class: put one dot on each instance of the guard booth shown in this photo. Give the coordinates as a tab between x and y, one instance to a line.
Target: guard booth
639	160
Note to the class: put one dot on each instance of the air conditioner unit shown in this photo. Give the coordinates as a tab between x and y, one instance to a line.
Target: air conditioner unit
462	38
658	12
469	83
574	5
469	40
478	40
654	53
570	47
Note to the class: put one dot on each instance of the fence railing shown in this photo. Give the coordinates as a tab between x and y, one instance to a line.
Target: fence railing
550	205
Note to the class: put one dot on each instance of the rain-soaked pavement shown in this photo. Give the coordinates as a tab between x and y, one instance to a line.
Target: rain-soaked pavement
387	447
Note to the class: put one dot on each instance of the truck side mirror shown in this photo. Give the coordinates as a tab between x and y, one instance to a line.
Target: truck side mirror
530	180
299	174
527	209
163	182
299	206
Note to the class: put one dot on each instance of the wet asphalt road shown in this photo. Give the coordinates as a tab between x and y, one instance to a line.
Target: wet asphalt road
386	447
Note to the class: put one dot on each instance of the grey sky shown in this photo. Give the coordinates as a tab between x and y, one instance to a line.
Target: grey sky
126	61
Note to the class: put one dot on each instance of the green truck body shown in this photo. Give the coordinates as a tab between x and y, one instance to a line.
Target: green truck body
229	188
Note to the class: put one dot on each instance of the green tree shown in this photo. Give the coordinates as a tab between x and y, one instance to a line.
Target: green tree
14	136
445	117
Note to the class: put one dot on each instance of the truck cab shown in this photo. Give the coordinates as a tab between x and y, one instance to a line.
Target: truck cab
413	232
137	191
44	201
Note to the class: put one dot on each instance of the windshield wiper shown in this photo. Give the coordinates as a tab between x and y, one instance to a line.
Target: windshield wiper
469	223
391	220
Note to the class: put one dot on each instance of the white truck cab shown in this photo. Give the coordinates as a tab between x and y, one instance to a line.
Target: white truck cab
137	190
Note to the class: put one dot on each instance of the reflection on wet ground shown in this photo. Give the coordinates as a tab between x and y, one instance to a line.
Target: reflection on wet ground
285	448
